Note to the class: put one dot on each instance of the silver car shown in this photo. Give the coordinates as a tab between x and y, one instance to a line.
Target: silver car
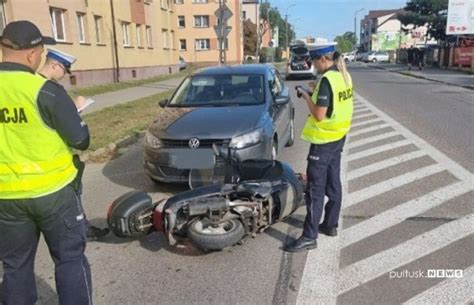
244	107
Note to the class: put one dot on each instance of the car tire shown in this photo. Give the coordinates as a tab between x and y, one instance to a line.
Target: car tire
291	138
224	235
374	60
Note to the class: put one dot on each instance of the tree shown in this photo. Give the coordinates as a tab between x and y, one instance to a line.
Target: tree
250	37
346	42
429	13
271	17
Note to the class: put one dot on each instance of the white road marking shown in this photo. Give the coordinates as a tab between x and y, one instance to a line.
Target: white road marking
401	212
364	116
365	122
376	265
362	142
392	183
450	291
384	164
369	129
376	150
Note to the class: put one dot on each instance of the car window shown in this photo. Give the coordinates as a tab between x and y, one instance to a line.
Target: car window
278	82
275	87
219	90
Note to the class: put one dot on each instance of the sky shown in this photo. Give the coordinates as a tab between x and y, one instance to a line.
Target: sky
328	18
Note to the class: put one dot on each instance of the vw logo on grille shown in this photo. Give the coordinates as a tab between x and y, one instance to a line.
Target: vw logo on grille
193	143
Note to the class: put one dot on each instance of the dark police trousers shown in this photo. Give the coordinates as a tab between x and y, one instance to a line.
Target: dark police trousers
323	173
60	217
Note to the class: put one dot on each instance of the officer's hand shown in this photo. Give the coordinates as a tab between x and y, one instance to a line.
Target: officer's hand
79	101
312	85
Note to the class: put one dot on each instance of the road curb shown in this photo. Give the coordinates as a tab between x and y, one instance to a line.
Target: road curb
406	73
107	152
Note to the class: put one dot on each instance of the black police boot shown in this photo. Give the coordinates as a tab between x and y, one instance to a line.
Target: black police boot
329	231
301	244
94	233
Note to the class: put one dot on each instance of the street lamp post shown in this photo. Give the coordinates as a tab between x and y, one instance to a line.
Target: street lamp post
355	23
286	24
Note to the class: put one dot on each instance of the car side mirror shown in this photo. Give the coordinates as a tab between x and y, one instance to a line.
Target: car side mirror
282	99
163	103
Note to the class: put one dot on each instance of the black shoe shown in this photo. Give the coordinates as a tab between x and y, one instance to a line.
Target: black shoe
301	244
94	233
329	231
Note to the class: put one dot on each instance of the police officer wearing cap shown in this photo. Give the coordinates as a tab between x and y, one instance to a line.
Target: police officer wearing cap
39	125
330	107
57	65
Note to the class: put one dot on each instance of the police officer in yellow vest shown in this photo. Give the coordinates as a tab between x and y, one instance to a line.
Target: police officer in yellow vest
39	125
330	107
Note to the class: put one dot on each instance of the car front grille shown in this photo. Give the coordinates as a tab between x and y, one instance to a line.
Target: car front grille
207	143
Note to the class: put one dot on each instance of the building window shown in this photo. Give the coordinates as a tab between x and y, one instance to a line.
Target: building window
181	22
164	34
98	28
149	37
199	1
244	15
201	21
80	27
139	35
202	44
57	22
3	19
126	34
178	1
172	39
182	45
164	4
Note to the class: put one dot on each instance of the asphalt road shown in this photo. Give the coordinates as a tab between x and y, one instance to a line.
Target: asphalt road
408	178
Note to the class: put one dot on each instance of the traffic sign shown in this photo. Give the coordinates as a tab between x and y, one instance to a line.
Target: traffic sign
222	30
223	13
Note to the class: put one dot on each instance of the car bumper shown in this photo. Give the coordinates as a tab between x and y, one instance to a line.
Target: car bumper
160	166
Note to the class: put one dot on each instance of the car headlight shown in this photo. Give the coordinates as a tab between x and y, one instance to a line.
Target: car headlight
247	139
152	141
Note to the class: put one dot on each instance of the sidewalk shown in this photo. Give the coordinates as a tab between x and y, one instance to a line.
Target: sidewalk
450	77
126	95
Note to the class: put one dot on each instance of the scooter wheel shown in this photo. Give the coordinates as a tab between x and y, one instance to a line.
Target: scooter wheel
207	236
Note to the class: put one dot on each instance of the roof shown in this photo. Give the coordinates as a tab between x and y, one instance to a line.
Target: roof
380	13
236	69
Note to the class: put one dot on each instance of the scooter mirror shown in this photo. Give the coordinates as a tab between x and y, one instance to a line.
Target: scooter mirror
216	150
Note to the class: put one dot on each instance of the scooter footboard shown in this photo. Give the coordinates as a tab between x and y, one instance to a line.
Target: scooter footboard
131	215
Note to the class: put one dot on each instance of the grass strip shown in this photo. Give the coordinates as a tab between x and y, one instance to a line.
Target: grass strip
112	124
111	87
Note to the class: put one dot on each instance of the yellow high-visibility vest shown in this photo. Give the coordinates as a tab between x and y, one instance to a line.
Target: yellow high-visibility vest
337	126
34	160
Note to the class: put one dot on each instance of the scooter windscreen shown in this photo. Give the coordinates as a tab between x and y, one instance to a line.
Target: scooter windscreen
204	177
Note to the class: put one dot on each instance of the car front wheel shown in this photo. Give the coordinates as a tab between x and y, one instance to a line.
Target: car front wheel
374	60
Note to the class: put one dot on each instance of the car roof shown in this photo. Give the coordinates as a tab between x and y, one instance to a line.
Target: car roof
235	69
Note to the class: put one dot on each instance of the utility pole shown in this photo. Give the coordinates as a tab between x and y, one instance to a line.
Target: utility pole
220	39
258	30
286	35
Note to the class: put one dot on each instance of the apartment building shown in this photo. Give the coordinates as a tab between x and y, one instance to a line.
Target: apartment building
381	30
113	40
197	38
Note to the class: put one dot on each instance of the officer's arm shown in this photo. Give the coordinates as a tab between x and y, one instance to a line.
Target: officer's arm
59	113
318	104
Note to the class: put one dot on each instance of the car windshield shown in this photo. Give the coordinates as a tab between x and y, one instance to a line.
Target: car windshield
219	90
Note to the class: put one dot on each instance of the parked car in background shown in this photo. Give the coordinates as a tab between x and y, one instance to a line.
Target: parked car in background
245	107
360	56
182	64
379	56
299	64
349	56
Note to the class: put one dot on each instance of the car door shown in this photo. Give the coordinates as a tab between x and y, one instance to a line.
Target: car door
281	112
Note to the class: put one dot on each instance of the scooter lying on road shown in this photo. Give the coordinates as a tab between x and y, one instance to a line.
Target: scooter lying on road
253	195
